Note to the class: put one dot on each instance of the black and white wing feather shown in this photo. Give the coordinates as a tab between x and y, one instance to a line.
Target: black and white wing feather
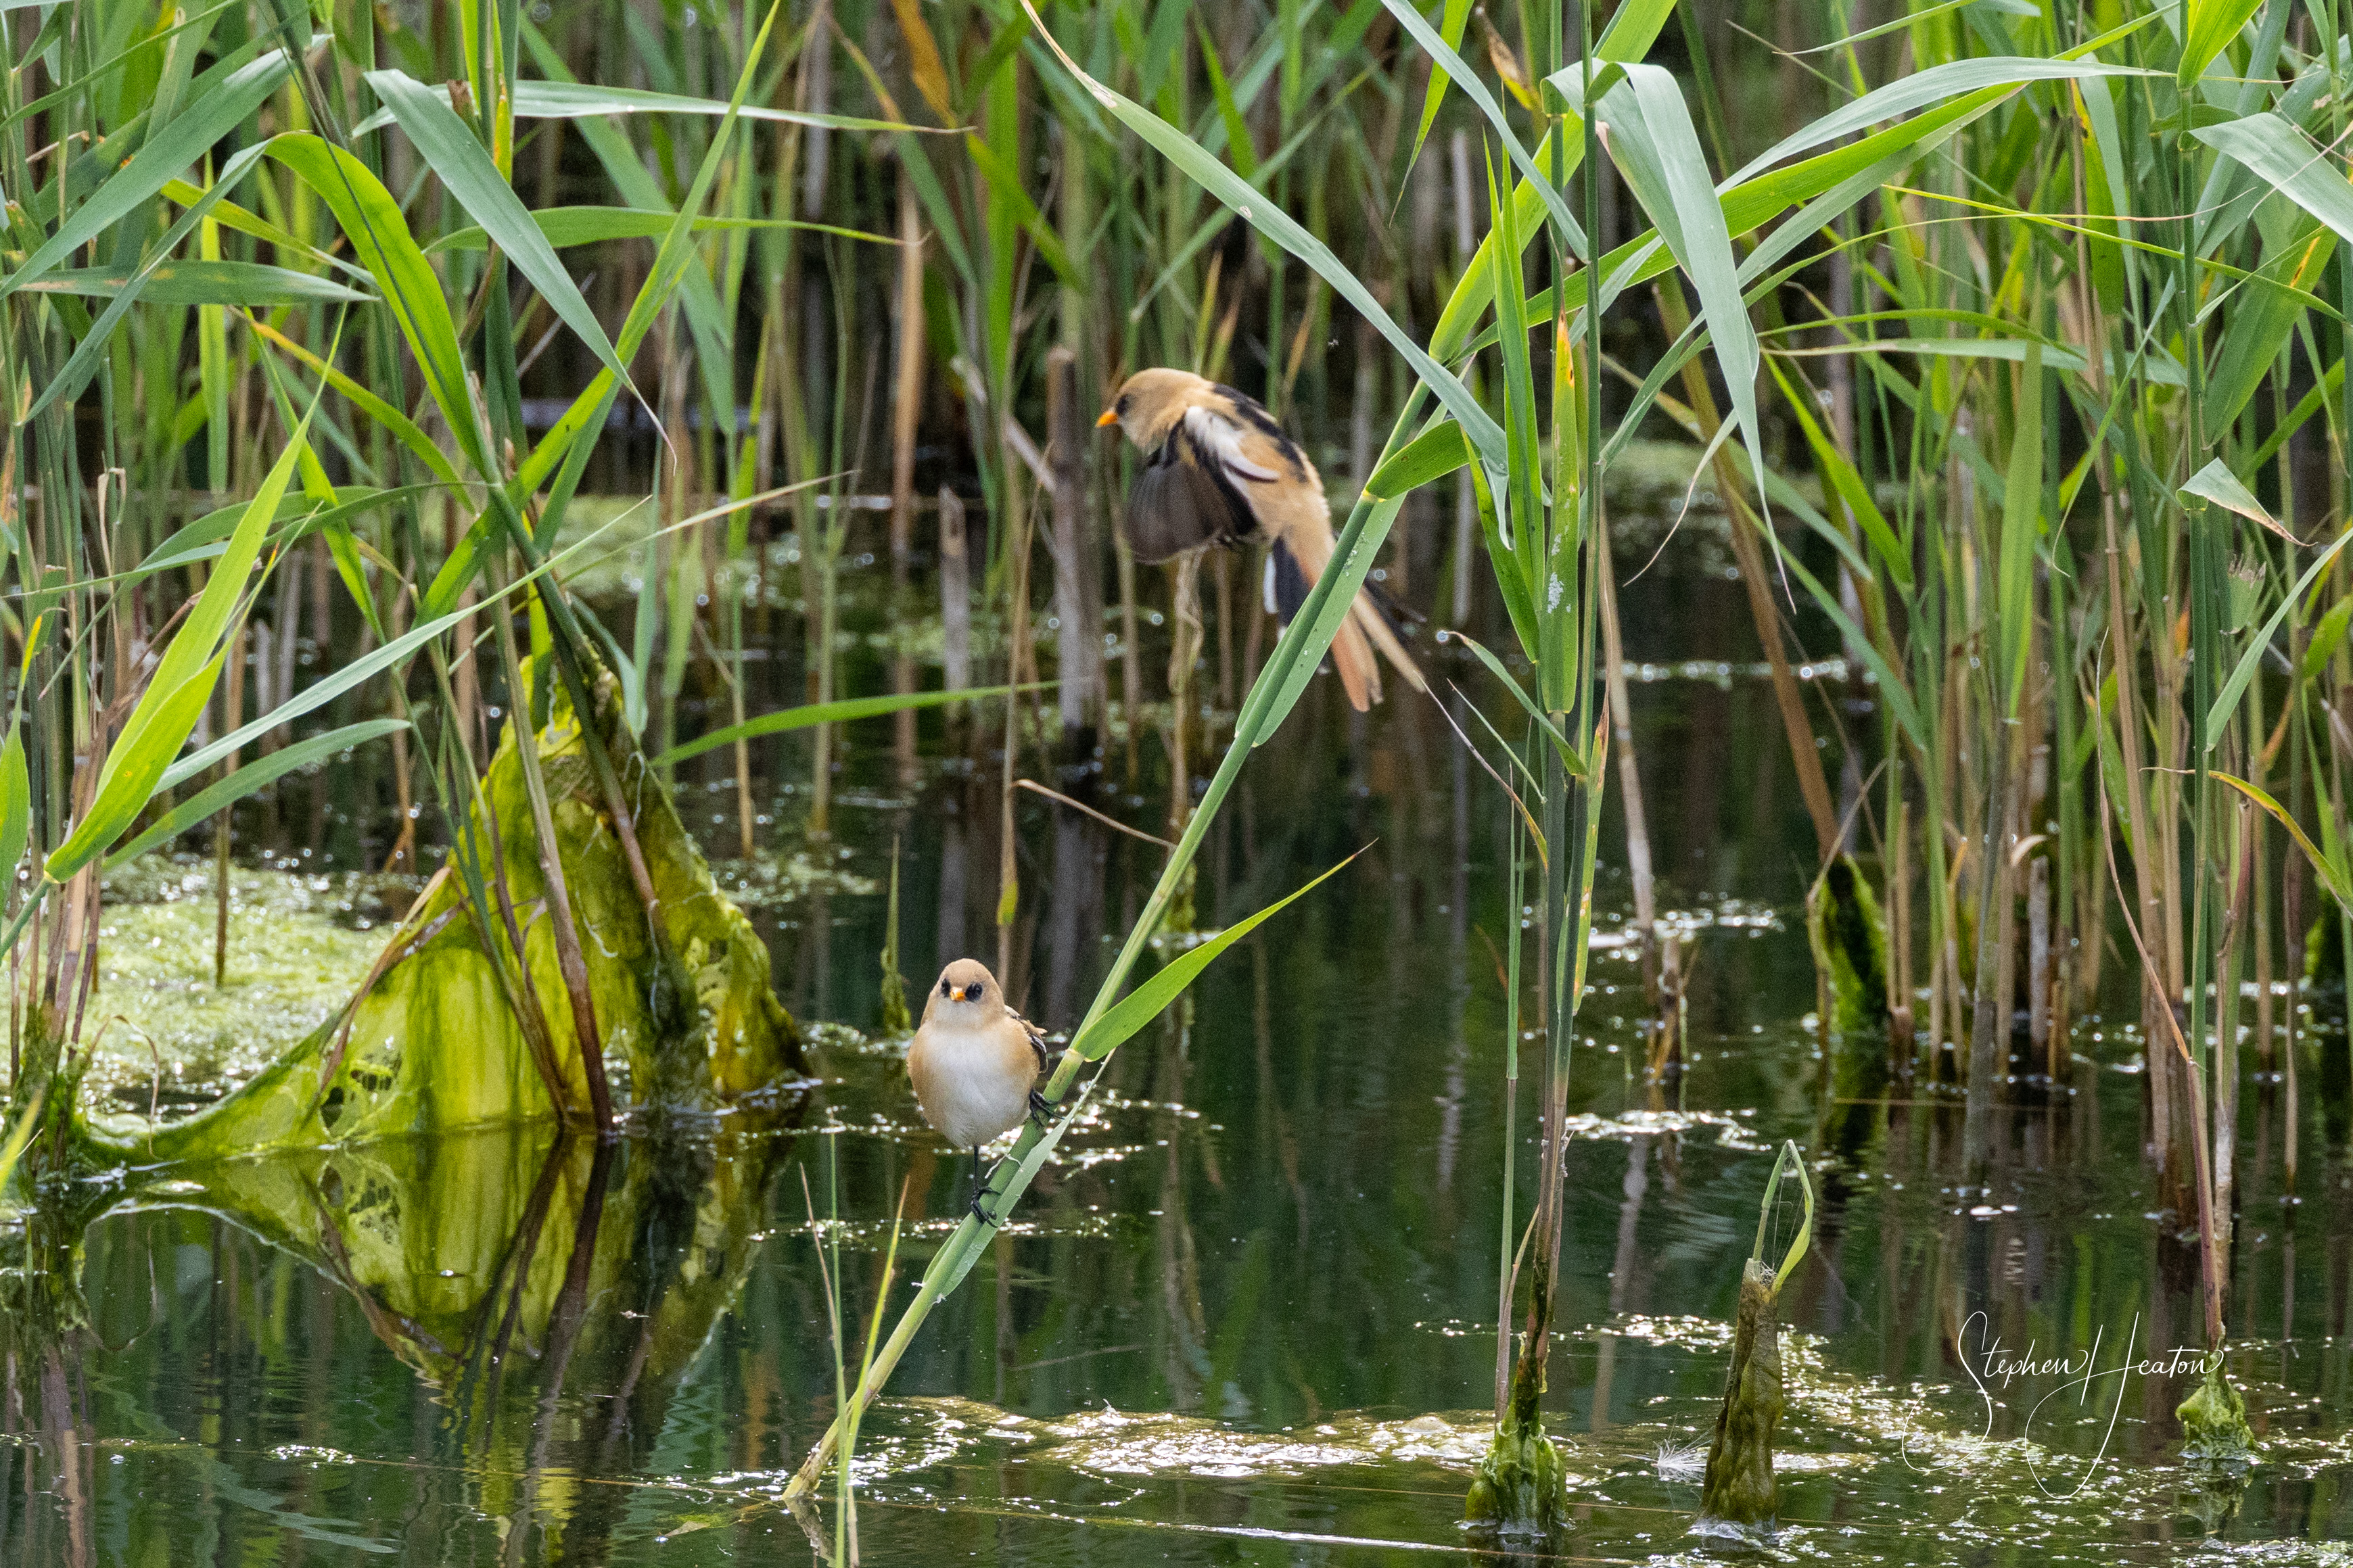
1189	495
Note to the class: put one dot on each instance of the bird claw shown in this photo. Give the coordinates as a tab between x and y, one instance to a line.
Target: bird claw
982	1214
1041	1109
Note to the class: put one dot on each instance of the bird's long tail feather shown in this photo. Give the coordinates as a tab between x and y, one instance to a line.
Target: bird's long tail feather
1292	566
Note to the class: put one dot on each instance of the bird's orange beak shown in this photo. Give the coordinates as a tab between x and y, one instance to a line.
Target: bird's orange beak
961	994
1108	416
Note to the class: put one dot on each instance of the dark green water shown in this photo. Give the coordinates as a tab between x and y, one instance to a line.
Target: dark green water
1249	1315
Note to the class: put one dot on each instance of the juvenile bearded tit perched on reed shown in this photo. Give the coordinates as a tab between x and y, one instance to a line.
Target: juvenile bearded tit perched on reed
974	1062
1218	470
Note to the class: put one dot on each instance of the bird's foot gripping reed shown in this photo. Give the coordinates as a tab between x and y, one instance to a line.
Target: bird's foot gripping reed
429	1042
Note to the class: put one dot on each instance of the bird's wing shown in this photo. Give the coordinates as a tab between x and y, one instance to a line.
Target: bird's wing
1218	437
1187	495
1286	583
1258	439
1037	1037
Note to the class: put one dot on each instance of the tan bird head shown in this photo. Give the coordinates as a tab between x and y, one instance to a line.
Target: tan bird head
1150	403
966	991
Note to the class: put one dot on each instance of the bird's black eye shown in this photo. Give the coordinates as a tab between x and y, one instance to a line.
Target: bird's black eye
945	989
1122	407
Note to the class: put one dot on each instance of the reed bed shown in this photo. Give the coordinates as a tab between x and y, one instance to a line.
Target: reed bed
2012	337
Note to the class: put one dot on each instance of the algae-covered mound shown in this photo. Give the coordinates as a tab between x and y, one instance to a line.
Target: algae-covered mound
1520	1486
1740	1500
430	1042
1849	937
2214	1420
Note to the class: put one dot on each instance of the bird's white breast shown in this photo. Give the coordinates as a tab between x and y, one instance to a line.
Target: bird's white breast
964	1087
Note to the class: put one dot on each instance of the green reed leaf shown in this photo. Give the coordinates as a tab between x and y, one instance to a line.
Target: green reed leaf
2215	482
180	686
2336	876
2325	636
2254	334
1788	1162
206	537
211	116
811	714
1432	455
2213	24
372	220
1148	1000
2022	531
1452	21
473	181
74	373
1569	760
389	654
402	428
252	284
1655	143
1523	476
1238	134
134	769
1845	483
247	779
15	801
565	227
2284	158
1444	57
675	262
2218	717
581	101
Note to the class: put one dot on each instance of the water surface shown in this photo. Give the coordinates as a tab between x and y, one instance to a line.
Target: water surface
1248	1314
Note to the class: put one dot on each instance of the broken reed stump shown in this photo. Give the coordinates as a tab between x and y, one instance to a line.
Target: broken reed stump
1740	1500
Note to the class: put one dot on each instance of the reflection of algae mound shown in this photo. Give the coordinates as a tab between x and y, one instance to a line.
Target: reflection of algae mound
554	1290
430	1042
461	1249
